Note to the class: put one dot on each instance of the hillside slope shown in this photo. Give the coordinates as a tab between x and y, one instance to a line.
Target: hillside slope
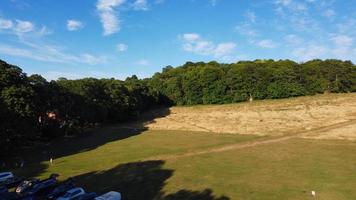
269	117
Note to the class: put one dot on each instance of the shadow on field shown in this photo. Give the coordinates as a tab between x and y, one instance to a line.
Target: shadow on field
92	139
139	181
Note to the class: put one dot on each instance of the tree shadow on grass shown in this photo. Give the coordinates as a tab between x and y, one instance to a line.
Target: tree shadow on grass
34	156
139	181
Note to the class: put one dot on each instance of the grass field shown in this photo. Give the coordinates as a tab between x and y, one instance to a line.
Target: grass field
190	164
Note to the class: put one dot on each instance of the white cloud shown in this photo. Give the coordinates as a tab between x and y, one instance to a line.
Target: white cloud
329	13
140	5
121	47
309	52
267	44
342	40
55	75
343	47
246	29
50	53
23	26
108	4
191	37
73	25
143	62
347	26
251	16
293	40
44	31
283	2
295	6
194	43
224	48
5	24
108	15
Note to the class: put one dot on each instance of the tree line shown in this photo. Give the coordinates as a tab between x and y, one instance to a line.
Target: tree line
32	108
214	83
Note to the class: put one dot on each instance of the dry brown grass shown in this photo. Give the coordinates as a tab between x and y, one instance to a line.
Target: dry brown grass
336	112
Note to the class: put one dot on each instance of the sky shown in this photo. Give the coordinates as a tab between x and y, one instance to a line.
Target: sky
119	38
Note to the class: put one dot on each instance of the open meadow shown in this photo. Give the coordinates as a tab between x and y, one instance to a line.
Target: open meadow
263	150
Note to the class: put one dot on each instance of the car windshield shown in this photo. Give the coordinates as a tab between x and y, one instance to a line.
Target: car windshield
72	193
4	175
68	194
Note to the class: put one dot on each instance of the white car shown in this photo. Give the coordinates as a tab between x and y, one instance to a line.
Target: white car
6	177
72	194
109	196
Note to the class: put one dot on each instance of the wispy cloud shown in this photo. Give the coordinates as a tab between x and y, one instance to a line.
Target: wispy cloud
22	28
5	24
292	5
266	44
142	62
108	15
140	5
293	40
342	40
340	47
343	47
193	42
121	47
251	16
48	53
55	75
329	13
309	52
246	30
74	25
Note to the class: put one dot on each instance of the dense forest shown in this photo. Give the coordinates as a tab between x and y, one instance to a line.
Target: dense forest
33	109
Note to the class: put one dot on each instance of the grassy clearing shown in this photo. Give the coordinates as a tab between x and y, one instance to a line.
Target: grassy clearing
149	164
289	170
135	148
286	170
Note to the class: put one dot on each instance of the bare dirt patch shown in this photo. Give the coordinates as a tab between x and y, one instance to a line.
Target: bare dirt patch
268	117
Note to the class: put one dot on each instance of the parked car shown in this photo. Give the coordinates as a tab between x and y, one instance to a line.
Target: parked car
6	178
72	194
43	186
86	196
26	185
61	189
110	196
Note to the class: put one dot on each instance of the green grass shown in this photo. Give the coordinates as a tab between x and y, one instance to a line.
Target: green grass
288	170
285	170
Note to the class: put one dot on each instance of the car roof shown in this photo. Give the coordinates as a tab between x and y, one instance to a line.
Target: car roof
6	173
110	194
75	189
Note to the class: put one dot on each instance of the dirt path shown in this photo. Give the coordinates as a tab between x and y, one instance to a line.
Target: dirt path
254	143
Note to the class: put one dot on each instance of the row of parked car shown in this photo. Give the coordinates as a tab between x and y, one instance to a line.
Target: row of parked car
15	188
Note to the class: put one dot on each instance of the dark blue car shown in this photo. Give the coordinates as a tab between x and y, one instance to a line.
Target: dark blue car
42	187
86	196
61	189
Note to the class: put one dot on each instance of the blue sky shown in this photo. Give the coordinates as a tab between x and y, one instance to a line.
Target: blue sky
118	38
